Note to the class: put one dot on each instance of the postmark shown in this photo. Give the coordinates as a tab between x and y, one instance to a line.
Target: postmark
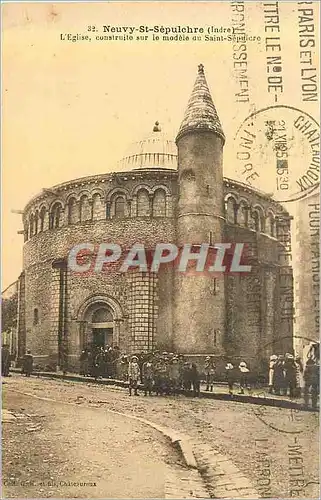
277	150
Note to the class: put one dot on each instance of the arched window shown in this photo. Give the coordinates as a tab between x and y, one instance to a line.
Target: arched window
270	225
35	316
56	216
255	221
85	209
230	207
159	203
143	208
119	207
42	217
98	209
261	221
242	214
73	212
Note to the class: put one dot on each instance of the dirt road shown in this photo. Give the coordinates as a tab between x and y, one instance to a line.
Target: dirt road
58	450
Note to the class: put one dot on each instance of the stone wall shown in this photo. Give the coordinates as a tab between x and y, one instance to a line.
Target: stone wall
247	321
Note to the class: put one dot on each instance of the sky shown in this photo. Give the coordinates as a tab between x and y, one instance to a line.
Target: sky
73	109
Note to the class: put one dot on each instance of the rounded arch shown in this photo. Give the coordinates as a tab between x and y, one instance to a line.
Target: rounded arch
144	200
270	222
98	191
257	208
244	201
115	191
140	187
119	202
102	299
56	202
243	212
85	208
163	187
43	206
85	192
73	210
231	206
159	203
231	195
269	211
98	205
56	211
42	217
72	195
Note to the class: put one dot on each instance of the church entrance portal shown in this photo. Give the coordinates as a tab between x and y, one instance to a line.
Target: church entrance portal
102	326
99	318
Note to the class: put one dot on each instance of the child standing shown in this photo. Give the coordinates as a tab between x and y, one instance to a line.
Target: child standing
133	375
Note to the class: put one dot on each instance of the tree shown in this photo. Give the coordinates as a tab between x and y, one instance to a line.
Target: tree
9	313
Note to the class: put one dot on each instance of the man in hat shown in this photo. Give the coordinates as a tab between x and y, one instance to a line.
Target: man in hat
230	377
244	377
133	375
209	373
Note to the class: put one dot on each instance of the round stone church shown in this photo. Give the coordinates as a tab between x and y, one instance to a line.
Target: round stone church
165	191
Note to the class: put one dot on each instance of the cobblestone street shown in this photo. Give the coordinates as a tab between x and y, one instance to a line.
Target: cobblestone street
254	444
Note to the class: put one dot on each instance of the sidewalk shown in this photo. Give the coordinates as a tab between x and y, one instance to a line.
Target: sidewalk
257	396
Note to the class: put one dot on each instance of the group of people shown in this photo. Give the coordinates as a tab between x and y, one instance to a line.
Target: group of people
27	362
162	373
99	362
287	376
167	373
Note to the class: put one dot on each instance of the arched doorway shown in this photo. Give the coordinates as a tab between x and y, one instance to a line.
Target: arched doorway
102	326
99	318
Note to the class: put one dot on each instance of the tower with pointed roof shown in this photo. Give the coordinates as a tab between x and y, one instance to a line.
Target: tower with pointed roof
160	192
199	316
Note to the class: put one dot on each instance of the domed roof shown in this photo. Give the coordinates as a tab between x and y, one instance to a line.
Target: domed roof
156	151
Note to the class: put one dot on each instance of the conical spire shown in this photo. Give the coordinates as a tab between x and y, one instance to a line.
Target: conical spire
201	113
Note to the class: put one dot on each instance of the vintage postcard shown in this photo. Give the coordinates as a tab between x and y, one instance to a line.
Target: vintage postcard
161	221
